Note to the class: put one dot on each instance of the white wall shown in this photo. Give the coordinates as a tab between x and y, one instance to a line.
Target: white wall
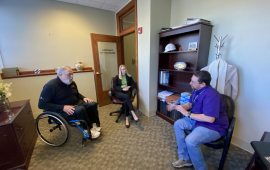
247	48
160	18
152	21
143	19
46	33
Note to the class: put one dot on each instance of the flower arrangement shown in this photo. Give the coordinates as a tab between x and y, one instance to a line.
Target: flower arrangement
5	90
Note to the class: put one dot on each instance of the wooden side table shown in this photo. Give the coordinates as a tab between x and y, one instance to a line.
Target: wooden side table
17	136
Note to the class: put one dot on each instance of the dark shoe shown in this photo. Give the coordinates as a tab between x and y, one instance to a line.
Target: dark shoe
127	126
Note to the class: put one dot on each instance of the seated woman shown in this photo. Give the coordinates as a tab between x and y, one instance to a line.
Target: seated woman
123	86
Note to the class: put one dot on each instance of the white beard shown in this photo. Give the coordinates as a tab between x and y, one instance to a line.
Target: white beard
67	81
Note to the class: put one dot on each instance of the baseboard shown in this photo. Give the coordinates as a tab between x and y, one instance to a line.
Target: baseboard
146	112
242	144
152	113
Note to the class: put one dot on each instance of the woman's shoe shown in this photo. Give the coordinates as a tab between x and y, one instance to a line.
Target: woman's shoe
134	119
127	126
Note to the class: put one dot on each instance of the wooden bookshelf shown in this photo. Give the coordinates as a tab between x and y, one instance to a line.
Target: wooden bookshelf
179	79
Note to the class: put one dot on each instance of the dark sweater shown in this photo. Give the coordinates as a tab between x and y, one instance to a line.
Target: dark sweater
56	94
118	82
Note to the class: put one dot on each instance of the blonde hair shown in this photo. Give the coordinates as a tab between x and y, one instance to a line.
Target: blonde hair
120	72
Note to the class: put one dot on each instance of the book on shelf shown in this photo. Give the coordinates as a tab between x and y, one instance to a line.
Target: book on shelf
176	115
164	94
164	77
185	97
179	26
167	75
162	107
165	29
192	21
196	20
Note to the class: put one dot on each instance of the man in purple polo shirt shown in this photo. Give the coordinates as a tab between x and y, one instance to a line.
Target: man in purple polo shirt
205	116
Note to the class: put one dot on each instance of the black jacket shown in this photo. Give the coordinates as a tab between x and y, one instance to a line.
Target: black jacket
118	82
56	94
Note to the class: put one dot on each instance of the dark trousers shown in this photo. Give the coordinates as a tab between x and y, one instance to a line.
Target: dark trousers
127	104
85	111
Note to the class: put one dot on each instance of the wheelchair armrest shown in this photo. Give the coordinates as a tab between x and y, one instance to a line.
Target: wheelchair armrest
110	93
134	91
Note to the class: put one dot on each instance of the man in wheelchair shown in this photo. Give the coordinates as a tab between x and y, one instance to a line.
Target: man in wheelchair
62	96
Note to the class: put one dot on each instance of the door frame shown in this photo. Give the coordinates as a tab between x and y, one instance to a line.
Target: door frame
130	7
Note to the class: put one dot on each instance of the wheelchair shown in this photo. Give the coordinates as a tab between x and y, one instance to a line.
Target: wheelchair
54	130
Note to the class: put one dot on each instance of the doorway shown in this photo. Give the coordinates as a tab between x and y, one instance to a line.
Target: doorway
125	42
126	20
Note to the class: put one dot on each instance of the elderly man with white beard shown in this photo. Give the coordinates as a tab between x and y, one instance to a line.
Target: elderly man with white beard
62	96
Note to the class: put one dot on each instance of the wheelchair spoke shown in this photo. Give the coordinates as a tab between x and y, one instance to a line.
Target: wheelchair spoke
52	129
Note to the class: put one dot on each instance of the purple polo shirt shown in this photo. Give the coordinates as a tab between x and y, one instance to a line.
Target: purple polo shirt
210	103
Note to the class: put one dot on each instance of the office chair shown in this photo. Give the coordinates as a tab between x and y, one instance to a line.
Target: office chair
115	100
225	141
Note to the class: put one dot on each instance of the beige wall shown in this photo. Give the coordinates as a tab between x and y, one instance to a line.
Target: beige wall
129	54
44	34
247	26
152	21
30	88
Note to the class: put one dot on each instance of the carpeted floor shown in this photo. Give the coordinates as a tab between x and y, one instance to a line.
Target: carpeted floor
149	144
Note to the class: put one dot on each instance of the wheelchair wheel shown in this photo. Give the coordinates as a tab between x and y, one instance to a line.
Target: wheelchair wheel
52	128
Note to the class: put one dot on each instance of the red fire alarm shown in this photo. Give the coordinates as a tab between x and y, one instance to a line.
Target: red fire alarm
139	30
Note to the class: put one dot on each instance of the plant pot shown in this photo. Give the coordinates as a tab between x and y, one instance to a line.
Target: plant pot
4	105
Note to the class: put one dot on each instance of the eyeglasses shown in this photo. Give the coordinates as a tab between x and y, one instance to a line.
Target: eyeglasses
194	82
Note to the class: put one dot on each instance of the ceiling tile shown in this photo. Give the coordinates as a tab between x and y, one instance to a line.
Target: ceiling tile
101	1
69	1
109	7
90	3
116	2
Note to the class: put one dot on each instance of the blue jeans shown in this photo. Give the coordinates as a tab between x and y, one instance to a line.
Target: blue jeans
189	147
